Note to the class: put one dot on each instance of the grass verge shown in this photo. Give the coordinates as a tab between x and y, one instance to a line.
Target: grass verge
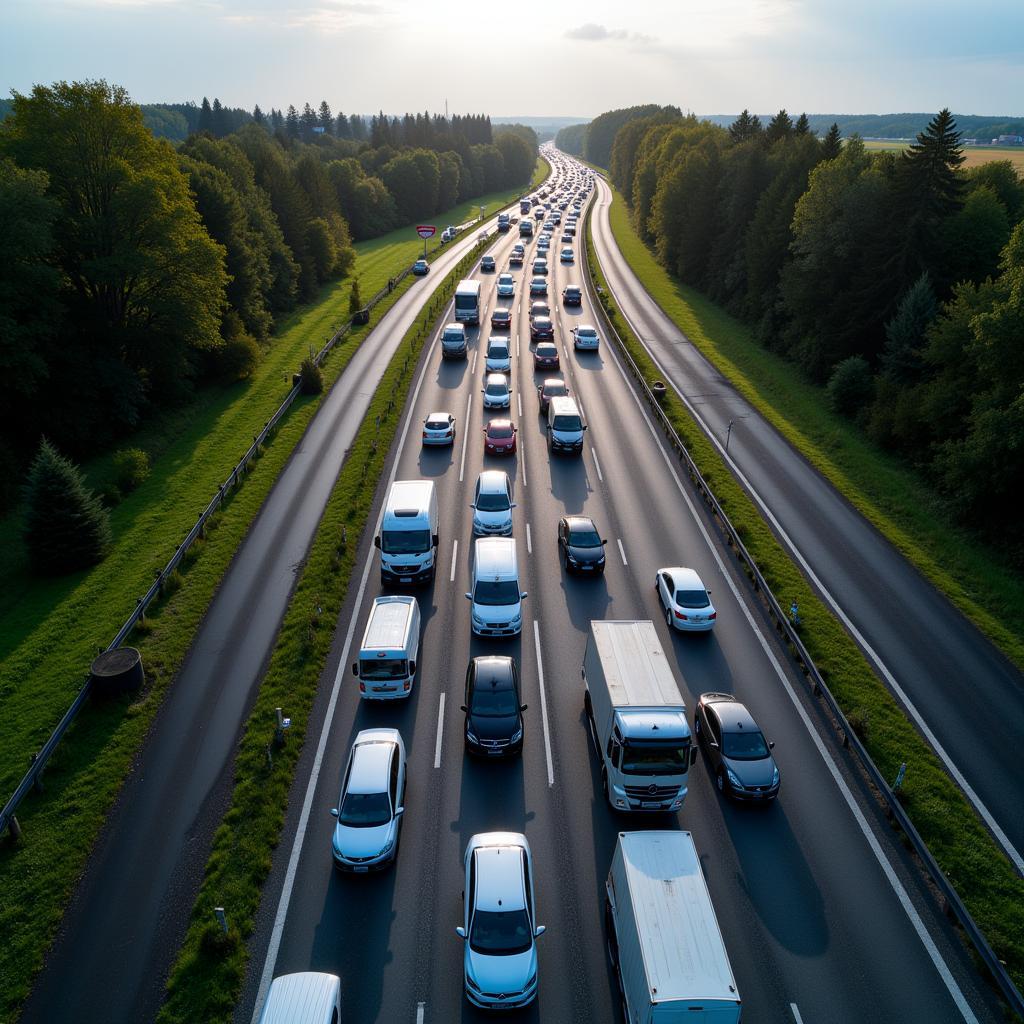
206	980
984	878
898	503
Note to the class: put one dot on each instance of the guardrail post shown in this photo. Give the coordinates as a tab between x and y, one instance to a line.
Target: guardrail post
14	827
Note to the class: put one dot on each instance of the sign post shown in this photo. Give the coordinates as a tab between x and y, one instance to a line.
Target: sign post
425	231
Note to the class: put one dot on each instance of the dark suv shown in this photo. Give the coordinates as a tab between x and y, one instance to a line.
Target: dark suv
494	714
572	295
740	756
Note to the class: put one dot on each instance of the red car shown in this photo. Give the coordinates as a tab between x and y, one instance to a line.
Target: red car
500	437
501	318
545	356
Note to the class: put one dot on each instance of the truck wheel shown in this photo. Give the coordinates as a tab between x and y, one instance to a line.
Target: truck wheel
604	785
609	927
587	706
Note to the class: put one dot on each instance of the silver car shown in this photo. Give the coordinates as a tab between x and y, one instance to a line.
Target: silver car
492	505
499	356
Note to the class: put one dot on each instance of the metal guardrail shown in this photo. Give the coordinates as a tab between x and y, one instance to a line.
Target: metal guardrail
954	906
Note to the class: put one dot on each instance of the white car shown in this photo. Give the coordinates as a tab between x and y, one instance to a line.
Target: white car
499	929
506	286
492	504
439	428
585	336
567	255
497	393
499	356
686	600
370	808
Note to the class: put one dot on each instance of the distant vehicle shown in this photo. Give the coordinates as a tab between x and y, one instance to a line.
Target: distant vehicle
565	426
585	336
501	318
740	756
493	708
439	428
567	255
496	607
304	998
572	295
492	504
525	229
538	214
539	286
545	356
581	546
539	307
500	437
498	358
503	222
541	329
449	233
517	256
551	387
567	236
497	393
686	600
525	206
487	264
540	266
543	243
467	302
453	342
506	288
420	268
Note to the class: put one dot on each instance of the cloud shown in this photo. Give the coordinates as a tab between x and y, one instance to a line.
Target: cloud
592	33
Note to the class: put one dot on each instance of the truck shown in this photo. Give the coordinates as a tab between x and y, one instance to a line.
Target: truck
408	533
467	302
636	716
525	205
503	222
663	937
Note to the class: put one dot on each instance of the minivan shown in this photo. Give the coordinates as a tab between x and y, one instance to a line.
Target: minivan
305	998
565	426
386	665
408	536
497	602
453	342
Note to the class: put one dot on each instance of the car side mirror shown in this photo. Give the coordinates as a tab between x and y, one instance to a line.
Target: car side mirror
412	668
693	756
469	596
524	707
586	426
334	812
712	743
376	542
355	668
513	505
464	709
461	932
434	539
399	811
472	506
604	541
771	746
523	596
539	931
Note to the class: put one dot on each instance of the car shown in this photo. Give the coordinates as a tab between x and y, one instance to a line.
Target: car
439	428
493	708
481	236
581	545
585	336
499	927
542	329
551	387
498	357
538	286
538	214
517	256
487	264
501	318
570	230
741	758
567	236
572	295
556	217
539	307
454	341
370	807
567	255
685	599
500	437
543	243
448	234
540	266
421	268
545	356
492	504
506	286
497	393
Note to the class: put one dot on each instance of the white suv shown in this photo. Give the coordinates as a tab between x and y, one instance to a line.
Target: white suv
492	505
499	929
499	357
497	393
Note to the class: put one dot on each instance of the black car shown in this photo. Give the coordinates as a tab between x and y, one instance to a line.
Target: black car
580	545
542	329
572	295
494	714
741	758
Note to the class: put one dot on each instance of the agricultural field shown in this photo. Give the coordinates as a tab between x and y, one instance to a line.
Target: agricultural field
973	155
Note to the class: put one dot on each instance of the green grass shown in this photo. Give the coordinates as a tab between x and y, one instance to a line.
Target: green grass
378	258
901	506
984	878
207	978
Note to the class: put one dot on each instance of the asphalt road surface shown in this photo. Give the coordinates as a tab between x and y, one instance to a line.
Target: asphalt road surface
822	916
961	692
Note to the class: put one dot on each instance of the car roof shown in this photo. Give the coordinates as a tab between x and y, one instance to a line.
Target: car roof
580	523
733	715
499	877
572	288
493	481
549	382
498	339
586	329
501	423
545	345
497	378
439	416
495	669
371	762
684	578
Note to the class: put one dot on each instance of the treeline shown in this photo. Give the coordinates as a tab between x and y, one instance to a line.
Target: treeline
131	272
895	279
899	126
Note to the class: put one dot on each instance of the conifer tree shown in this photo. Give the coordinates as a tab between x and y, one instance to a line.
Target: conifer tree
832	144
325	118
308	122
259	117
928	167
205	116
803	125
291	121
276	118
743	128
342	128
220	125
779	127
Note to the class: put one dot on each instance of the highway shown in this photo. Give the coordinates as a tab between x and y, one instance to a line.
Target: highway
127	919
963	695
823	917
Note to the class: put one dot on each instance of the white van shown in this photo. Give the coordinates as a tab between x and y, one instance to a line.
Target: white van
408	533
391	644
467	302
497	602
306	998
565	426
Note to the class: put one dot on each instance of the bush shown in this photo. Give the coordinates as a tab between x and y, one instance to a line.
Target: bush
238	357
66	526
851	387
355	303
312	378
132	468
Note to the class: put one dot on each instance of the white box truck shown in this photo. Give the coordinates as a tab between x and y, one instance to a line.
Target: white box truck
636	717
386	665
408	533
663	936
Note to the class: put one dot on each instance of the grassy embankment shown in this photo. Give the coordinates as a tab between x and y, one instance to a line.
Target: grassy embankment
50	629
985	879
206	981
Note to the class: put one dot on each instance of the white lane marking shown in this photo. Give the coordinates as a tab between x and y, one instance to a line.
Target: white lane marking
274	945
543	703
519	400
455	558
529	540
522	461
440	732
792	1006
472	364
517	345
883	862
1001	837
420	1007
600	475
579	403
622	552
465	435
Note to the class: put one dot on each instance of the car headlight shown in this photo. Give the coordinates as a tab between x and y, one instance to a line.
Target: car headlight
775	776
388	846
733	778
471	736
472	983
572	560
517	735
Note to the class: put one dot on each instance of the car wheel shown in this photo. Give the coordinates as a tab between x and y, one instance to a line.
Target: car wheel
604	785
720	780
668	618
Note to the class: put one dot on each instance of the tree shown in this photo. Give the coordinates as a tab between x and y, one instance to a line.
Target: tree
206	117
66	526
803	125
970	241
342	127
219	119
308	123
779	127
518	159
358	127
291	122
832	144
355	303
744	128
259	117
850	387
326	118
905	332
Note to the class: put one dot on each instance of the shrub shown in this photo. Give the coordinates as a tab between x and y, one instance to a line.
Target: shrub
66	526
851	387
132	468
312	378
238	357
355	303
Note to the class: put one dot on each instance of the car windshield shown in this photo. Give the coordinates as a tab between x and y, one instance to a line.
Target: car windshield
692	598
500	932
437	424
494	702
584	537
500	314
404	542
567	422
499	432
744	746
496	592
383	668
496	351
489	502
655	758
496	389
365	810
555	390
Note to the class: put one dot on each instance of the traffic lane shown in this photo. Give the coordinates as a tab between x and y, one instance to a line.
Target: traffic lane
930	647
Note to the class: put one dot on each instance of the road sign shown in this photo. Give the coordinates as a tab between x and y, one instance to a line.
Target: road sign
426	230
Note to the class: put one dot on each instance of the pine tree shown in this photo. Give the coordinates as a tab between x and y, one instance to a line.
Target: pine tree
326	118
205	116
342	128
66	525
742	128
779	127
308	122
220	125
928	167
358	127
291	121
276	118
803	125
259	117
905	332
355	303
832	144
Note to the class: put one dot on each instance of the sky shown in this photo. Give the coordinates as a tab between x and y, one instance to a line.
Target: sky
531	57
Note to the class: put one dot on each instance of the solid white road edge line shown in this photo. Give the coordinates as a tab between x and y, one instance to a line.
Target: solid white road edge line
597	465
1001	837
420	1008
622	552
440	732
529	540
455	558
465	433
519	400
307	803
792	1006
543	703
472	364
883	861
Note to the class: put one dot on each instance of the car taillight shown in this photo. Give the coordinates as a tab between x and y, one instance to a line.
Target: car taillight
713	615
424	433
680	615
362	687
406	685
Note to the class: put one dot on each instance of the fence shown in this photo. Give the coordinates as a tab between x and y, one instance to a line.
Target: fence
787	629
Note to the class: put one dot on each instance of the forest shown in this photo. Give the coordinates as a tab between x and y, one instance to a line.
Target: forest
893	280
